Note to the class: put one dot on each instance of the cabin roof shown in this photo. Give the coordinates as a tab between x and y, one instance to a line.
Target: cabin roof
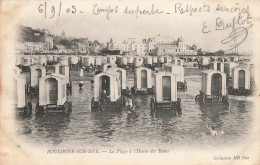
229	62
142	68
116	68
58	64
109	72
20	76
243	66
171	65
17	68
164	73
211	71
37	66
59	76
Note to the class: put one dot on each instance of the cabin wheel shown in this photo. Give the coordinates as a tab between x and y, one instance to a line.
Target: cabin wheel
185	85
230	90
135	90
178	106
93	108
123	101
197	98
29	108
152	104
225	100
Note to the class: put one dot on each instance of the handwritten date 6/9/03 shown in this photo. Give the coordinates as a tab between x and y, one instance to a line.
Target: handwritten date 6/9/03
52	10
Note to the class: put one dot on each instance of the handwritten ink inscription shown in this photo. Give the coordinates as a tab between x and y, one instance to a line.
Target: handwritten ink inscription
239	24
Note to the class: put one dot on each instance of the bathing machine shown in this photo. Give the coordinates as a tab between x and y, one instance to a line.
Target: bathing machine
228	70
37	71
148	61
178	61
165	95
122	77
53	95
179	71
240	80
213	87
19	93
111	59
130	61
155	61
142	81
64	60
107	91
138	61
217	66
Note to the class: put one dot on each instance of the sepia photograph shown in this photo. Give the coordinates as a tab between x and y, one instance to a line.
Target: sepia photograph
129	82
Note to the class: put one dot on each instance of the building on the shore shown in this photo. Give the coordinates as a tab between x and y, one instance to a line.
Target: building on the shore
49	40
32	47
60	48
159	45
174	48
95	47
130	45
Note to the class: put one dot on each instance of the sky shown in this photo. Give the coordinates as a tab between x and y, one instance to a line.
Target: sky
88	22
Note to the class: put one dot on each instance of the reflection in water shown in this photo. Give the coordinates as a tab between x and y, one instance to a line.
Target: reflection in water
50	127
103	122
140	127
211	115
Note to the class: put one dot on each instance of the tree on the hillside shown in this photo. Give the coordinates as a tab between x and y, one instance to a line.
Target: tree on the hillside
65	42
199	51
220	53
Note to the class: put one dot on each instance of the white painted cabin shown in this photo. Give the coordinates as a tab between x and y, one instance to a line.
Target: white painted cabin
213	82
64	60
37	71
19	90
52	90
217	66
228	68
138	61
241	77
122	75
143	78
109	82
175	69
111	59
165	87
108	65
178	61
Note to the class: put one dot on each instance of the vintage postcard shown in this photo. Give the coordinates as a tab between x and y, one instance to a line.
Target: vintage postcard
129	82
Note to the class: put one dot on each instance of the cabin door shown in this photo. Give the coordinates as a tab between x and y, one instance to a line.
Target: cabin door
39	75
165	59
219	66
52	91
144	79
241	79
62	70
178	62
216	84
50	69
166	88
105	85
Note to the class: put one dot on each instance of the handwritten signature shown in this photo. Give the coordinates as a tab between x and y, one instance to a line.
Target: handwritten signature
239	26
238	36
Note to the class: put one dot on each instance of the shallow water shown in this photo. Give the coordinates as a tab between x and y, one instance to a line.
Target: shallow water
112	129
